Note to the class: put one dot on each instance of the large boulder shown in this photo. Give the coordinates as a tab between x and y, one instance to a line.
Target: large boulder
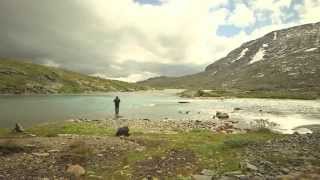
123	131
76	170
18	128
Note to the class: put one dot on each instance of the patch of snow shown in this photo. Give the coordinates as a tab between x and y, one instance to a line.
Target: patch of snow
214	73
258	56
311	49
275	36
265	45
243	53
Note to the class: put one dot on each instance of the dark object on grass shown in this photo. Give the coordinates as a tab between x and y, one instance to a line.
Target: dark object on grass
123	131
18	128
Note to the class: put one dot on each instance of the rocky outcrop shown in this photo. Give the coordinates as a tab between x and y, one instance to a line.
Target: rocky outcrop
18	128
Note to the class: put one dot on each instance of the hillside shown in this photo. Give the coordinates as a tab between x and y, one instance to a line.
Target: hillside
26	78
287	59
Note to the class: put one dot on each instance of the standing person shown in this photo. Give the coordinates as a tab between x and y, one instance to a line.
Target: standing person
117	105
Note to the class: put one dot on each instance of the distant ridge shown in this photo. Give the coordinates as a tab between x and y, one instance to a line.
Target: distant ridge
18	77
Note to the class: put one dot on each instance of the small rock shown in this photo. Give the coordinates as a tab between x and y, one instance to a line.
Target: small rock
140	149
222	115
285	177
183	102
76	170
159	171
95	177
233	173
32	135
202	177
100	155
41	154
208	172
251	167
226	178
54	151
285	170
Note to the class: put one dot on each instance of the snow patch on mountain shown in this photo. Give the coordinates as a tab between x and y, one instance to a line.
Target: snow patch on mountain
258	56
275	34
311	49
243	53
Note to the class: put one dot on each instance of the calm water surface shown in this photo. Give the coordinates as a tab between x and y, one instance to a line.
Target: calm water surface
30	110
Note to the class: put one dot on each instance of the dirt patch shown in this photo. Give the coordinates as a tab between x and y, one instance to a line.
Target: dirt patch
175	162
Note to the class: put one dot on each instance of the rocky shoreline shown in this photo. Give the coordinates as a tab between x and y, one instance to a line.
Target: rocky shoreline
156	150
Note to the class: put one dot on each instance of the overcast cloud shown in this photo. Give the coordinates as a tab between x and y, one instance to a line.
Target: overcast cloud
136	39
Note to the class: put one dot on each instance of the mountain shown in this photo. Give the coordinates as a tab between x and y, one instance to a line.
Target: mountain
18	77
287	59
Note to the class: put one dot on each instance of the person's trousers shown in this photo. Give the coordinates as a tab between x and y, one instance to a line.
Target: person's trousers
117	110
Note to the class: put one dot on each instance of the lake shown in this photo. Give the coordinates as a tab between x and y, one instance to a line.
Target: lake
155	105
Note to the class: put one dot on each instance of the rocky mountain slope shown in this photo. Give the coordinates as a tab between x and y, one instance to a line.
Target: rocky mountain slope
287	59
26	78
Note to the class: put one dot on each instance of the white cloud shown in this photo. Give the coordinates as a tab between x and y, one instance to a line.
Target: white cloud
177	31
130	78
242	16
127	39
309	11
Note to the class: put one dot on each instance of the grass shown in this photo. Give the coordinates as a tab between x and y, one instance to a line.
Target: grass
218	152
4	132
52	130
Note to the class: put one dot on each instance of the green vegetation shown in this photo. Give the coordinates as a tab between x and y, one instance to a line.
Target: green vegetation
26	78
52	130
279	94
4	132
219	152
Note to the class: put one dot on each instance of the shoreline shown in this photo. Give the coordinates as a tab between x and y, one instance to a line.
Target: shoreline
225	126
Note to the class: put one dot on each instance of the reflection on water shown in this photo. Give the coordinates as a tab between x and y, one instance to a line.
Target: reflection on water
158	105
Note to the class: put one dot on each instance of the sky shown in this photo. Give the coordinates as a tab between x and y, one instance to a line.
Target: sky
132	40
